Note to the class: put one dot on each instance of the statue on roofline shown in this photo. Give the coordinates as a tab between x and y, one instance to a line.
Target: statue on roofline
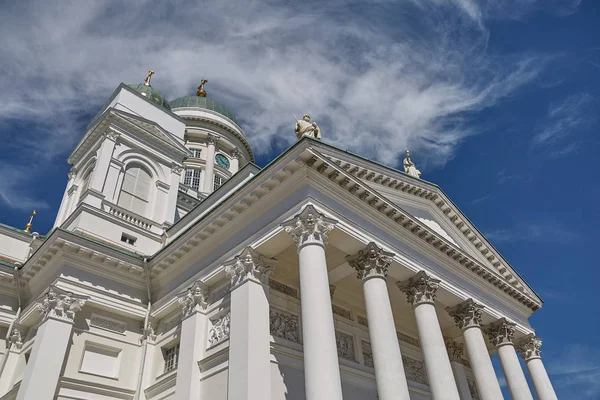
409	166
306	128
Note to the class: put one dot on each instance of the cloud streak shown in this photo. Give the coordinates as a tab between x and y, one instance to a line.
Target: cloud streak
532	232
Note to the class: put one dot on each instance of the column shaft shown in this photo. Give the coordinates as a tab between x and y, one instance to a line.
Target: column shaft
437	363
321	367
389	370
191	347
46	360
513	373
481	364
540	379
209	175
249	343
7	376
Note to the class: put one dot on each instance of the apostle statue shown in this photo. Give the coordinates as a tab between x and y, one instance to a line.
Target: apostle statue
409	166
306	128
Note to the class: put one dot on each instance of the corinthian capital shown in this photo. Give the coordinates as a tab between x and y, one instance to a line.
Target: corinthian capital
420	288
60	304
309	227
501	332
249	265
370	262
466	314
194	299
529	347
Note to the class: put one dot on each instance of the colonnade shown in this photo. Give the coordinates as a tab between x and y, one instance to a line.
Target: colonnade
310	230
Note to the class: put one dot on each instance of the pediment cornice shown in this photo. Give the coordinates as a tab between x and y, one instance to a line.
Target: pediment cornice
306	154
501	276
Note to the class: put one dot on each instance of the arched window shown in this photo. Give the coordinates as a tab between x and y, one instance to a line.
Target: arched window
85	183
135	192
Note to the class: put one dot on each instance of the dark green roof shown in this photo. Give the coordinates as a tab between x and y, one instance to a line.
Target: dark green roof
151	94
202	102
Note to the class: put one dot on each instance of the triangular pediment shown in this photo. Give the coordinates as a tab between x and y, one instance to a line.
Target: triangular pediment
432	214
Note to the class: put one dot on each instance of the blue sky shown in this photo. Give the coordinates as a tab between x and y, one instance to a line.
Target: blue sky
497	101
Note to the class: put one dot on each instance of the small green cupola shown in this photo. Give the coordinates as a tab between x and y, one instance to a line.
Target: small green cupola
153	95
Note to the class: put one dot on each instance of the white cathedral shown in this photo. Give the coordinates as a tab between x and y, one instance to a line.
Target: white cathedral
178	269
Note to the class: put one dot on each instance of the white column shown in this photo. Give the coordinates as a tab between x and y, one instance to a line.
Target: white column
209	172
321	368
455	352
467	316
51	344
420	291
192	341
371	265
235	161
13	352
501	335
171	203
529	348
249	337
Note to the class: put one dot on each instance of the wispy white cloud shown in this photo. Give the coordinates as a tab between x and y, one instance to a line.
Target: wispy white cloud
564	119
14	190
405	74
532	232
576	370
480	199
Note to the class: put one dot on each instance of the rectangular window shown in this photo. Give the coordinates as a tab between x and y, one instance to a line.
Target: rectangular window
218	182
192	178
171	355
128	239
196	153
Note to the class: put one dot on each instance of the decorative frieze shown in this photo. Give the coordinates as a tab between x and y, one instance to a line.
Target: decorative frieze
529	347
59	304
420	288
415	370
345	346
466	314
219	330
367	353
362	320
283	288
309	227
249	265
455	350
408	339
194	299
284	325
102	322
342	312
501	332
371	261
473	389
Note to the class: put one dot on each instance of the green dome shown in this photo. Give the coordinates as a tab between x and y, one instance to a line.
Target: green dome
202	102
151	94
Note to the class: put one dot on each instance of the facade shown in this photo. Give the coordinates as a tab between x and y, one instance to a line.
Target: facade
178	269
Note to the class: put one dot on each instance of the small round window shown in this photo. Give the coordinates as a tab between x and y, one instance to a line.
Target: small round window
222	161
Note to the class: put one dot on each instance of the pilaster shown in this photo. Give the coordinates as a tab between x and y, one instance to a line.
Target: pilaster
58	309
249	338
193	303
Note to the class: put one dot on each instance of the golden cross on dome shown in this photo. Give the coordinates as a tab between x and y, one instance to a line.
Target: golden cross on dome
147	81
201	92
28	226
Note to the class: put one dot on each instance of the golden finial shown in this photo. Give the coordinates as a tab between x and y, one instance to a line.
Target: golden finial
201	92
147	81
28	226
